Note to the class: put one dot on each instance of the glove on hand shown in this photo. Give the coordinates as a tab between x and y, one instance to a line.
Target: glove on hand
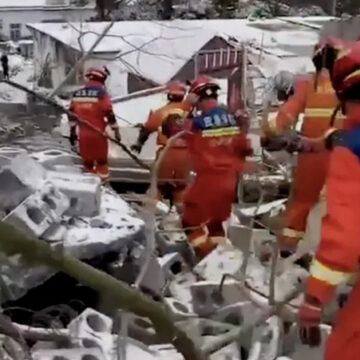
310	313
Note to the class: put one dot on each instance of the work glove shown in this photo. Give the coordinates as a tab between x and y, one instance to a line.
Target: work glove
310	313
136	148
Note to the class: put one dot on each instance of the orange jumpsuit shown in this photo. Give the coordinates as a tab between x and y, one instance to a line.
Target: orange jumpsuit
175	167
93	104
318	104
217	149
338	255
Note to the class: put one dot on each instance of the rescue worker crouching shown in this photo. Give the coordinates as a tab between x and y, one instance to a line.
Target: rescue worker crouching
167	121
315	97
338	255
217	151
93	104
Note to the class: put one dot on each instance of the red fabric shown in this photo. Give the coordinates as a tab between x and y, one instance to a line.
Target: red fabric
320	290
175	169
309	314
93	146
344	341
218	154
209	199
311	168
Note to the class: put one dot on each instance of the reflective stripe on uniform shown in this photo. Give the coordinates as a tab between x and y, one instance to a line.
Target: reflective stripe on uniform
355	73
321	112
323	273
293	233
221	132
85	99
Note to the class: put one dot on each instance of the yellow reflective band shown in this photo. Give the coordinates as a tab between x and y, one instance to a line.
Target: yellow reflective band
293	233
85	99
355	73
321	112
221	132
272	123
324	273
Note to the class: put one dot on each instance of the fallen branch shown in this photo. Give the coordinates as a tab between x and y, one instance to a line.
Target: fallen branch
117	294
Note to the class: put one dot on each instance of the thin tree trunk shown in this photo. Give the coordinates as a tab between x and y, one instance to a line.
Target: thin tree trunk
118	294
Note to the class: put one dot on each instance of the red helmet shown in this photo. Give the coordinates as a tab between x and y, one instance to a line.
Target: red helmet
98	74
346	70
204	85
176	89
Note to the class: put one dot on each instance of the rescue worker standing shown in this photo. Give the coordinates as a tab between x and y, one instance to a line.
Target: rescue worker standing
217	150
315	97
338	255
174	170
93	104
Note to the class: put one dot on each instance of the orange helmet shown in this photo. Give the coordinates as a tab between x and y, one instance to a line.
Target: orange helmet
176	90
98	74
204	86
326	51
346	72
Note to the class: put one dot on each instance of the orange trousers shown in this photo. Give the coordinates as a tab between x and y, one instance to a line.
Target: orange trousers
94	153
344	341
173	174
310	175
207	204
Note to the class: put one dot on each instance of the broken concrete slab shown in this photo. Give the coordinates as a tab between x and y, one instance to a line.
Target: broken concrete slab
39	211
208	298
230	352
180	311
92	329
69	354
12	191
83	190
28	171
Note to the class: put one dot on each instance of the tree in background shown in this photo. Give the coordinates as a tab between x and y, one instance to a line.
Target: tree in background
226	8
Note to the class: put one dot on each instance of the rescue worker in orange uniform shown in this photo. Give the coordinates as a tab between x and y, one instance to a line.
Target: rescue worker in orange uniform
93	104
217	150
174	170
338	255
315	97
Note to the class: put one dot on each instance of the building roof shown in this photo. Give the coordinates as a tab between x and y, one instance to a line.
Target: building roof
157	50
6	5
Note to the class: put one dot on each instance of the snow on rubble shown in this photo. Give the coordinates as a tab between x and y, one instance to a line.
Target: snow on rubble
44	194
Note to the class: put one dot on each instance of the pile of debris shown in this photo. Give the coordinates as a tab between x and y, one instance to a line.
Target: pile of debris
225	304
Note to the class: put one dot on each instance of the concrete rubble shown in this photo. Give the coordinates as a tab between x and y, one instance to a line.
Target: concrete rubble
45	193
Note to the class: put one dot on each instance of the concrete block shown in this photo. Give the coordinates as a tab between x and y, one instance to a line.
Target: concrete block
180	311
230	352
92	329
207	298
28	171
154	279
12	191
237	314
225	259
83	191
240	236
40	210
171	264
51	157
68	354
267	339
